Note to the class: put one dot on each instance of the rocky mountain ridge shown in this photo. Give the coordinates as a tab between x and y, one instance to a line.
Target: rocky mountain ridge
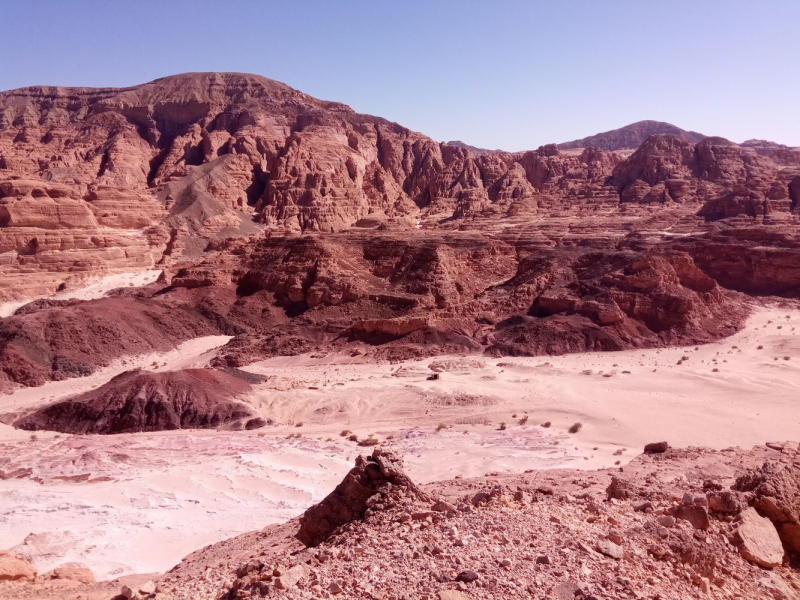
296	224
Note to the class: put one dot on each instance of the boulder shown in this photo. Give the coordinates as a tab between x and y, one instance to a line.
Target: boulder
14	568
777	496
694	514
758	540
73	572
656	448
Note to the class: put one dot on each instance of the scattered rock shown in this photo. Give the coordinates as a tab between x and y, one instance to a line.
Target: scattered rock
694	514
467	576
610	549
290	578
656	448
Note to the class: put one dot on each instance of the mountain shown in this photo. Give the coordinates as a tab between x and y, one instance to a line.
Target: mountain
474	149
631	136
294	224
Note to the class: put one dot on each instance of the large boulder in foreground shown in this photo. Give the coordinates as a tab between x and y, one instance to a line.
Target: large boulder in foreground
758	540
14	568
377	480
145	401
776	487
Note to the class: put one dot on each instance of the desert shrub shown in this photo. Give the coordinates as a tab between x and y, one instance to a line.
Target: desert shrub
502	427
576	427
546	424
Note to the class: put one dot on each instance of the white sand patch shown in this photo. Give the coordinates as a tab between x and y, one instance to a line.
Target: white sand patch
90	288
190	354
151	499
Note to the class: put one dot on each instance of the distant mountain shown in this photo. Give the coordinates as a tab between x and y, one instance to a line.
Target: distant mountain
630	136
474	149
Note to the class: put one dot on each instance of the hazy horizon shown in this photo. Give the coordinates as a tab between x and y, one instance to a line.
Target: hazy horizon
511	76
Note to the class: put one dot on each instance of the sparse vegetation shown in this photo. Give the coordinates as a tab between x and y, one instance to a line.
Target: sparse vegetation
300	424
523	420
353	437
546	424
576	427
441	426
502	426
370	441
34	437
345	432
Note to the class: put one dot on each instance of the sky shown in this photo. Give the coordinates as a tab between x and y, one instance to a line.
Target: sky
499	74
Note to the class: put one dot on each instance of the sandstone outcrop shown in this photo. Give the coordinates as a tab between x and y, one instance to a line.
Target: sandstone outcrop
376	482
298	225
146	401
99	180
14	568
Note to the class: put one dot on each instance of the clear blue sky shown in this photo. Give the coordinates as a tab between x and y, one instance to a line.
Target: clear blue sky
497	74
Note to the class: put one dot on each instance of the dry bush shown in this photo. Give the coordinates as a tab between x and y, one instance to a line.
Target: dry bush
576	427
546	424
353	438
370	441
345	432
441	426
502	427
300	424
523	420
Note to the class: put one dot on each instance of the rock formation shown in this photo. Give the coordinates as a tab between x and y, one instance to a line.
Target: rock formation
547	534
631	136
296	224
145	401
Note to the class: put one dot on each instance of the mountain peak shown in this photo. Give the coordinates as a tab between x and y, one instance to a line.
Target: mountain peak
630	136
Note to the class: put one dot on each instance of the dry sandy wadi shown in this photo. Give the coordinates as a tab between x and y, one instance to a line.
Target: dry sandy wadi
218	295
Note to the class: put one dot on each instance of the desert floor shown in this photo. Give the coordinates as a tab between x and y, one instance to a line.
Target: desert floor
140	502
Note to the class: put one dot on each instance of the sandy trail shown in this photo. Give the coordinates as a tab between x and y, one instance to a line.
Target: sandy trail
141	502
90	288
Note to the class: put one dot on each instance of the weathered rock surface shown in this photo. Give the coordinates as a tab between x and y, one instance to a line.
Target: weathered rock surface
96	180
757	539
485	550
375	482
13	568
777	496
145	401
409	247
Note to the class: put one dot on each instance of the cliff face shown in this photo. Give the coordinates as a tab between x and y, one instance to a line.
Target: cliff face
420	244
